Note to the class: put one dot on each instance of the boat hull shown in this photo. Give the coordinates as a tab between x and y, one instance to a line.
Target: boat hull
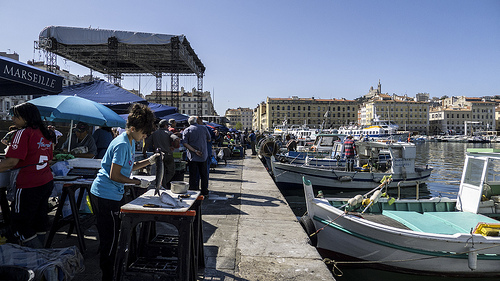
290	176
404	250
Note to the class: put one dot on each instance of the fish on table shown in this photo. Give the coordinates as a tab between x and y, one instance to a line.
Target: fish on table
159	172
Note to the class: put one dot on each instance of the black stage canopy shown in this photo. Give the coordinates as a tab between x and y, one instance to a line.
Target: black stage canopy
122	52
17	78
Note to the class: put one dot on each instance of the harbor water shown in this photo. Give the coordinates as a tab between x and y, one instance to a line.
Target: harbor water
447	159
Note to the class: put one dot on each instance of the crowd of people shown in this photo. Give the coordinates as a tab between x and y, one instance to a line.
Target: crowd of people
30	150
31	146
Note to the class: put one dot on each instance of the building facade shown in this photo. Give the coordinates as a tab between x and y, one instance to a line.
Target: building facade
188	102
314	113
408	114
462	115
244	116
259	122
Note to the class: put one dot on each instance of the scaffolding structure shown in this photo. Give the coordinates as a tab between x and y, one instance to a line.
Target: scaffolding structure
118	53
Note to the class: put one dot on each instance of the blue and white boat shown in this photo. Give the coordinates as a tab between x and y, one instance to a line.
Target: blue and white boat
375	160
378	129
436	236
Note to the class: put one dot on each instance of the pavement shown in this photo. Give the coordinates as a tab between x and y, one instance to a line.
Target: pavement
249	231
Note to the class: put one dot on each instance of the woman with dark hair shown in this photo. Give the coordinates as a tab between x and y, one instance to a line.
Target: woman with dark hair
107	189
30	151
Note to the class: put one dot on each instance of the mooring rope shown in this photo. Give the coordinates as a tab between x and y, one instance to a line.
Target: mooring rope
336	263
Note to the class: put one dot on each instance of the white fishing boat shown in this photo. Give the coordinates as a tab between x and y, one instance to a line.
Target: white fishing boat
437	236
378	129
325	151
375	160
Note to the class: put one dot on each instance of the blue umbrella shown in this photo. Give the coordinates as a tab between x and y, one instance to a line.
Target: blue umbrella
72	108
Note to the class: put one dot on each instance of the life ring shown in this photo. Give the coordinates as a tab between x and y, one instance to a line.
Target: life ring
308	226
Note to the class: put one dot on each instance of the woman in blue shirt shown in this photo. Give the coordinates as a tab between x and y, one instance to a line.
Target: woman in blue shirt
108	187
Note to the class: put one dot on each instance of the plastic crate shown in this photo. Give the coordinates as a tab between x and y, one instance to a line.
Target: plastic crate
487	229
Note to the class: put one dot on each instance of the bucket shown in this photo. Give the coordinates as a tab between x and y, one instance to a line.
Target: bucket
179	186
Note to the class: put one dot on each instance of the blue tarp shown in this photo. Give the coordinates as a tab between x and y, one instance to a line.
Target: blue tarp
179	118
221	128
17	78
161	110
114	97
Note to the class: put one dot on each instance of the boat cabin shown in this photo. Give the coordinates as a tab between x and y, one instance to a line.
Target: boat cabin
480	184
326	142
382	156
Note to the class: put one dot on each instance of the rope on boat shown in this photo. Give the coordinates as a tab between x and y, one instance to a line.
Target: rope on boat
383	183
335	263
329	223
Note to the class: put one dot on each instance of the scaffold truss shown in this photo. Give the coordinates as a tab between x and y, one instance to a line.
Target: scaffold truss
120	53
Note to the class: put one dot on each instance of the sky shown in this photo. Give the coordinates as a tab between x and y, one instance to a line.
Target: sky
282	48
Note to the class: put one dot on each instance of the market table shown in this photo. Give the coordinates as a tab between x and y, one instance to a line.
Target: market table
75	219
150	255
78	221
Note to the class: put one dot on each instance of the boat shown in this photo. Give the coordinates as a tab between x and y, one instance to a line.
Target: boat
375	160
325	151
435	236
378	129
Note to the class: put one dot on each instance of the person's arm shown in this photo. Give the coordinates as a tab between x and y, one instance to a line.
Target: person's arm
116	175
141	164
8	163
194	150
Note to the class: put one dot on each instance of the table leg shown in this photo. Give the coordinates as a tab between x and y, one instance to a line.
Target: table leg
57	218
75	214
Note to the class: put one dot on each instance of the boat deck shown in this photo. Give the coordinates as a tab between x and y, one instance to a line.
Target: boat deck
378	218
430	222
